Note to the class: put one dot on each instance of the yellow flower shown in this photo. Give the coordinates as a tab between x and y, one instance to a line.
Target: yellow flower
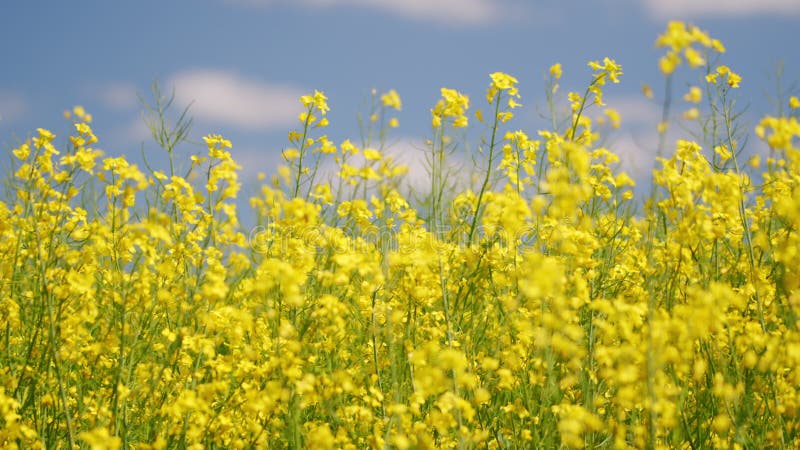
100	439
391	100
453	104
613	117
613	69
321	102
694	95
294	137
778	132
317	101
323	193
693	57
555	71
647	91
370	154
733	79
86	134
669	62
682	39
794	102
290	154
501	82
723	152
216	141
325	146
675	36
348	147
306	118
436	119
575	100
22	152
44	138
721	423
81	114
321	437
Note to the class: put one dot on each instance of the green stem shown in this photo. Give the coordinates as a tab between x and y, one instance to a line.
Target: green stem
488	169
302	151
579	113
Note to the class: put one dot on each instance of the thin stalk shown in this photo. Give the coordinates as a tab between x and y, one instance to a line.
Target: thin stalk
375	349
57	366
485	184
743	214
302	151
582	107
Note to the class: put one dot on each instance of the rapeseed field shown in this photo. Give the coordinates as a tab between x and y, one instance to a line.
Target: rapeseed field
535	303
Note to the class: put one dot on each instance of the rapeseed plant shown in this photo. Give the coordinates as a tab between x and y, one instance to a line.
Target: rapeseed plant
532	308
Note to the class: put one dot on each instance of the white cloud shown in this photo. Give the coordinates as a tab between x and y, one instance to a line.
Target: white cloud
12	106
637	153
411	153
227	98
119	95
636	142
407	151
634	110
449	12
671	9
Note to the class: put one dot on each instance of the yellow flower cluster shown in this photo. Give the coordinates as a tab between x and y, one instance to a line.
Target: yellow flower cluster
530	308
731	78
453	104
681	41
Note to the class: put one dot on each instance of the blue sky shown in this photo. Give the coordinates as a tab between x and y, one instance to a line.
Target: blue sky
244	63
